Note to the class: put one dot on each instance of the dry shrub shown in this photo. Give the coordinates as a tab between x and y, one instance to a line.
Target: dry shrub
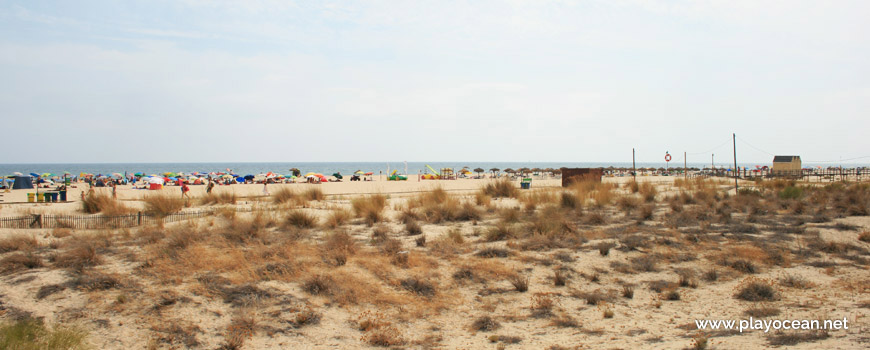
370	208
569	200
482	199
499	232
338	247
762	311
560	279
162	204
542	305
603	195
223	197
285	195
243	230
60	232
240	329
510	215
796	337
98	203
627	204
319	285
413	228
632	186
536	198
648	192
755	289
301	219
864	236
313	194
552	222
520	282
19	261
502	188
646	263
419	286
337	218
80	255
485	324
795	281
18	242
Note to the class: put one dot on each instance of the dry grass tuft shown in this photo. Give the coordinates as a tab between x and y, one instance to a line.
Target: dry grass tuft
754	289
502	188
98	203
19	261
520	282
313	194
18	242
224	197
337	218
301	219
370	208
162	204
864	236
285	195
485	324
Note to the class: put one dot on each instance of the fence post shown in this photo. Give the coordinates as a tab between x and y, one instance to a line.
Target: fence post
139	219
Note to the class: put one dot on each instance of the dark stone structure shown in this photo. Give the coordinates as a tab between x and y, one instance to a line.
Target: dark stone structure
570	175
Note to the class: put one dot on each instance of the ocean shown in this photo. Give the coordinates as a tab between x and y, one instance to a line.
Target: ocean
326	168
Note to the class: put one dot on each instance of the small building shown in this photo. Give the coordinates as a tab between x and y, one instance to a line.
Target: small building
571	175
786	166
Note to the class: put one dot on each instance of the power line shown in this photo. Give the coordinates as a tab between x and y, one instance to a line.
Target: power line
711	150
756	148
836	160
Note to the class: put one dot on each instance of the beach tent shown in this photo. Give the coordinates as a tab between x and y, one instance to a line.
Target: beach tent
22	182
155	183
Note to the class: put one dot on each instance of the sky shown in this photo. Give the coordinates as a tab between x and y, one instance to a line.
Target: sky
573	81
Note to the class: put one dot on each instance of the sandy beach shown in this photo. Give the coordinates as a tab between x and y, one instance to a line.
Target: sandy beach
449	264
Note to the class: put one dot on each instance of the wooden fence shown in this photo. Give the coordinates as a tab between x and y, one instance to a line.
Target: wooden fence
89	222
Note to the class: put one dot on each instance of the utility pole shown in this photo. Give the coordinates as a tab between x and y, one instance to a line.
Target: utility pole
734	143
685	168
633	168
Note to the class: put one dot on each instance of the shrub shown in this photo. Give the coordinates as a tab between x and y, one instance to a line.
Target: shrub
97	203
313	194
163	204
18	242
627	291
763	311
560	279
485	324
286	195
338	246
604	248
301	219
646	263
791	192
795	281
413	228
418	286
224	197
756	290
744	266
569	200
370	208
500	231
864	236
79	256
502	188
337	218
19	261
648	192
319	285
33	334
520	282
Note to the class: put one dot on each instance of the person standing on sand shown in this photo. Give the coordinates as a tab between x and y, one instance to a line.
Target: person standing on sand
184	190
90	190
114	190
209	187
265	189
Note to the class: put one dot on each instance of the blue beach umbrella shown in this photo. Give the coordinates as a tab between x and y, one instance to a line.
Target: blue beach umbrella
34	174
240	179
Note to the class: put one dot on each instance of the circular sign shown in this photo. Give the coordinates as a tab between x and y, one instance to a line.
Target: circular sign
667	157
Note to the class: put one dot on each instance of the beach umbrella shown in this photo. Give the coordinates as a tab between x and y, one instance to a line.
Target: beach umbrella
310	174
66	172
139	174
369	173
359	172
240	179
47	174
34	174
118	175
17	174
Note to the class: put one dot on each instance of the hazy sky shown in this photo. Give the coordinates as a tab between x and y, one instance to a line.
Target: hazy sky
180	81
